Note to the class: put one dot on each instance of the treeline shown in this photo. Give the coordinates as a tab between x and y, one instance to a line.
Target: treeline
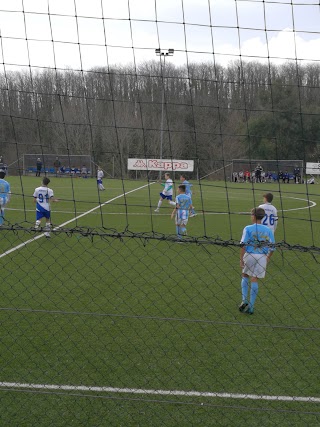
211	113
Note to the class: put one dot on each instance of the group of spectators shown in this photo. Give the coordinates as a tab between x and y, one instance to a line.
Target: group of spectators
259	175
59	169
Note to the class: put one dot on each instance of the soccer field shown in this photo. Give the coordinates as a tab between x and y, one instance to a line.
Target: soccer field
112	323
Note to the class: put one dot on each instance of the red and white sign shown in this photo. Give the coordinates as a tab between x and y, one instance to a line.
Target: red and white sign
161	165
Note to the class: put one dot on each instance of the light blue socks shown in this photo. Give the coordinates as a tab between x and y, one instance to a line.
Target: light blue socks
244	288
253	293
1	216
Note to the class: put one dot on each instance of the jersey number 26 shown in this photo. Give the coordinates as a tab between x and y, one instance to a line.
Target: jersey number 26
268	220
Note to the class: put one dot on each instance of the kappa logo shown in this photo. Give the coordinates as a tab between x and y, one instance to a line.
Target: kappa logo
167	165
140	164
160	164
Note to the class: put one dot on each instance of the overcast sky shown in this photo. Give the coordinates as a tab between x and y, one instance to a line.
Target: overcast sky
132	29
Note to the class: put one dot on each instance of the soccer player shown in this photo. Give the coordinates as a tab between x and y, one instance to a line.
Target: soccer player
4	194
311	180
254	257
84	171
183	180
38	166
100	175
270	218
280	176
166	193
42	197
297	174
57	165
181	211
257	172
247	176
235	176
286	177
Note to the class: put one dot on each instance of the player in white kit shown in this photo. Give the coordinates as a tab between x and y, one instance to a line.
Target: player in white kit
100	175
42	197
166	193
270	218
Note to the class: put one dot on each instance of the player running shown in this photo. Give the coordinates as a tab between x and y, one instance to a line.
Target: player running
181	211
166	193
4	194
42	197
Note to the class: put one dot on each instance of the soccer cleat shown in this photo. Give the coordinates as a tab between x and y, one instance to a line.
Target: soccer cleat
156	210
249	311
243	307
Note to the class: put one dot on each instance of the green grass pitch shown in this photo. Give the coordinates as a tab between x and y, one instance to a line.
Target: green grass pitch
152	314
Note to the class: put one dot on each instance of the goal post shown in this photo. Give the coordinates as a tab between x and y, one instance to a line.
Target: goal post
68	164
271	167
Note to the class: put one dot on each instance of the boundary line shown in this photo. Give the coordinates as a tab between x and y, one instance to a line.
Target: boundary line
22	245
312	204
28	386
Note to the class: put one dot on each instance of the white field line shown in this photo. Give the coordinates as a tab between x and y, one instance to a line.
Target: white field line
311	205
52	387
22	245
95	213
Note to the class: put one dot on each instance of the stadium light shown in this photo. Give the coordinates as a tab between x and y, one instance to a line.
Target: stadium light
162	54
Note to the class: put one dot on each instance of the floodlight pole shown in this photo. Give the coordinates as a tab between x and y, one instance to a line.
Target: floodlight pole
162	54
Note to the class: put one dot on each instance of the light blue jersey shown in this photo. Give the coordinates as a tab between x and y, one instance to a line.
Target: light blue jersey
188	188
4	192
255	234
4	197
183	202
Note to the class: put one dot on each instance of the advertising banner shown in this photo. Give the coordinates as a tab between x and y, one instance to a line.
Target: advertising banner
313	168
166	165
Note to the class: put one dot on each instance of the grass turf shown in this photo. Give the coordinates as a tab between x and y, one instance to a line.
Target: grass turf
154	314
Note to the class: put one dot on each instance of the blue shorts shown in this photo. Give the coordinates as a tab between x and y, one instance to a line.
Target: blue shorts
99	181
45	214
163	196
